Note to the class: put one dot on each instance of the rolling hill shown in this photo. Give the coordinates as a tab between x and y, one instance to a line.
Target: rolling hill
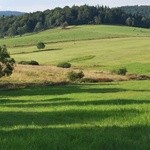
99	46
9	13
37	114
76	33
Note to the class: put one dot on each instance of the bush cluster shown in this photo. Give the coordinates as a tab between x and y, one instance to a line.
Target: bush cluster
32	62
120	71
40	45
73	76
64	65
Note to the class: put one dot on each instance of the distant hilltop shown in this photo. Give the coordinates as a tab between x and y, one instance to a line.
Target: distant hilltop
9	13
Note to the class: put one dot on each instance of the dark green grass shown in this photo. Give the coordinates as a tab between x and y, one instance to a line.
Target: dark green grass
77	117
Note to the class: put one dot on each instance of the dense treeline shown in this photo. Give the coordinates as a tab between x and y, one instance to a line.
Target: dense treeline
137	10
38	21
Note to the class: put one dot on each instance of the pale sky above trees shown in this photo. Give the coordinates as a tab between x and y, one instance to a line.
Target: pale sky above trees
34	5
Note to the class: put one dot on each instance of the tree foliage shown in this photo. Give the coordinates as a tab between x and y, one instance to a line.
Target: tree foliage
40	45
137	10
6	62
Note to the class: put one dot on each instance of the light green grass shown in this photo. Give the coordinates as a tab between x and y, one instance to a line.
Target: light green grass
100	47
101	116
75	34
132	53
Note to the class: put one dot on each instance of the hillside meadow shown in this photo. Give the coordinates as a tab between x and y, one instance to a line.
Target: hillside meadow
78	116
76	33
102	47
104	53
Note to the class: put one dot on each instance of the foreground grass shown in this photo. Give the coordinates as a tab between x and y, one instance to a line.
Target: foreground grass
90	116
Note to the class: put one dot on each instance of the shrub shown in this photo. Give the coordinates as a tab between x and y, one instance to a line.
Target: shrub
120	71
32	62
40	45
64	65
73	76
23	62
64	25
6	62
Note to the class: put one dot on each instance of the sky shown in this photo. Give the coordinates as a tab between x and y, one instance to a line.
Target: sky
40	5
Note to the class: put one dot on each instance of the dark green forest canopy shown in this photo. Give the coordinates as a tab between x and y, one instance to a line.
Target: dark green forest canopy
137	10
38	21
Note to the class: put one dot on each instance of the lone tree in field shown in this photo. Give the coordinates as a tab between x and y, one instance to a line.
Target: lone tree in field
40	45
6	62
64	25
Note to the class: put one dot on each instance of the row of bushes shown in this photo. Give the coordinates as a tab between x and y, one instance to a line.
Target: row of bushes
32	62
120	71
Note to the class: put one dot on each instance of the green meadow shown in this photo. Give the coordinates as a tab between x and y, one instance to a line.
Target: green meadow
101	47
76	33
90	116
87	116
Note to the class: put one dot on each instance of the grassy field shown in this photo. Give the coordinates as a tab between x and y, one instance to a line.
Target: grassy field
110	116
132	53
76	33
90	116
100	47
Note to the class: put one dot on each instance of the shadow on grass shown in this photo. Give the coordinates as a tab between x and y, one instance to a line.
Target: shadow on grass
67	102
36	51
9	119
93	138
64	89
58	90
66	138
10	101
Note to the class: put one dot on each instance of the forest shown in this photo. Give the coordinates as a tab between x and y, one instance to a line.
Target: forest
137	10
75	15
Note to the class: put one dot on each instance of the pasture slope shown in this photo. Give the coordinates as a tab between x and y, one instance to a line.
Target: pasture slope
110	116
106	47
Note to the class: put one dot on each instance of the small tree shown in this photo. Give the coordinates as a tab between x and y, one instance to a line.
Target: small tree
64	25
40	45
6	62
120	71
